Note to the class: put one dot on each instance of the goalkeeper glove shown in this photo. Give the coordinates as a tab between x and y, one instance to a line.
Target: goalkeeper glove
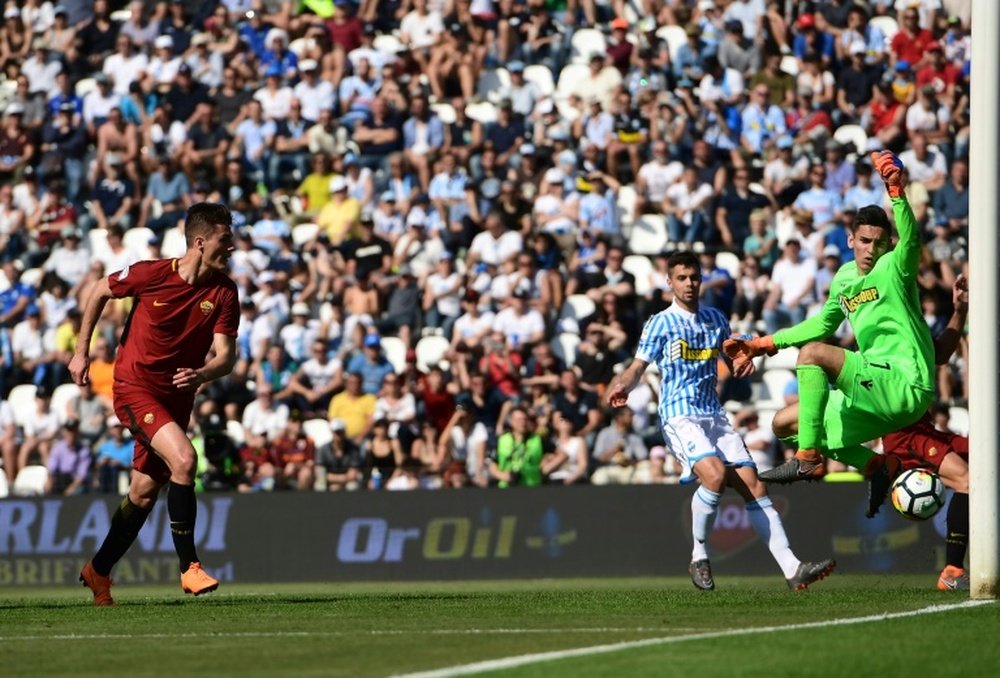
891	170
742	350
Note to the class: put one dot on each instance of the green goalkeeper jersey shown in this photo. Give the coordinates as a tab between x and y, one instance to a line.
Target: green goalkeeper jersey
883	308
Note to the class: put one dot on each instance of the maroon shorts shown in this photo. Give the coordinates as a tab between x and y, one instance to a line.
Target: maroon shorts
920	445
144	412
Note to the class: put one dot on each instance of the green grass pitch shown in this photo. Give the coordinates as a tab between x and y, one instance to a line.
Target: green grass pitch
392	629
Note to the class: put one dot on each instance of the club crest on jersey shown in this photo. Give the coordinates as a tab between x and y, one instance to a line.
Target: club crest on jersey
148	419
680	350
851	304
206	307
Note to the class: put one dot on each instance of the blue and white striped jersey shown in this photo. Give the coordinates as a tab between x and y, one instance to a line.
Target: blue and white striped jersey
685	346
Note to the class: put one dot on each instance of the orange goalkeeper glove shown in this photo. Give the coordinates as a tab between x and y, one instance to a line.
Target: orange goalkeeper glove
891	170
742	349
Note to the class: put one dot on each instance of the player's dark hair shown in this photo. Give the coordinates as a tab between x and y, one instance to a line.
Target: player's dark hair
687	258
872	215
203	218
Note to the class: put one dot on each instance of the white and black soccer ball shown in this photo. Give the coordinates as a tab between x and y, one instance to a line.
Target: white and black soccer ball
917	494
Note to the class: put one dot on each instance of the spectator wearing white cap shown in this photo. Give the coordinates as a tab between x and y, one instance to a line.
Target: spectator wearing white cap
441	302
312	91
69	261
162	68
207	66
298	336
419	247
495	244
40	69
264	418
317	379
113	456
270	301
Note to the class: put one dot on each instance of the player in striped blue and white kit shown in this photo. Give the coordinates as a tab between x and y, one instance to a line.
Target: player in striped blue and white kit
685	342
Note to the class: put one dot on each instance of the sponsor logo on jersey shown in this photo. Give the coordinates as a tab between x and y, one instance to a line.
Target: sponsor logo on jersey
206	307
123	273
680	350
851	304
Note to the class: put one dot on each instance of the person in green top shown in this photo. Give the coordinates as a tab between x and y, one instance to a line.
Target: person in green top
884	386
519	453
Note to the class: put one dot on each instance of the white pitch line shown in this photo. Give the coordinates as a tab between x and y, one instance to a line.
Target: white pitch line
525	659
306	634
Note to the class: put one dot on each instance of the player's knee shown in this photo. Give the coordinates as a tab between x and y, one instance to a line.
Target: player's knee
713	477
184	466
811	354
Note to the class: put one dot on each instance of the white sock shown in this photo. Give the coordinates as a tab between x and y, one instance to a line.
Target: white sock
704	505
767	524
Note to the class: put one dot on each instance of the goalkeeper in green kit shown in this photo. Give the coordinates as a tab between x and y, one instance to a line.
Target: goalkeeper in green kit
884	386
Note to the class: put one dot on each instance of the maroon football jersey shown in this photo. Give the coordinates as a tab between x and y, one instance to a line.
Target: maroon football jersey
172	323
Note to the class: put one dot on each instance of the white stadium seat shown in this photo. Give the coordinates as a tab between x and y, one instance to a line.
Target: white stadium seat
675	36
852	134
649	234
395	353
640	266
958	420
790	65
446	112
775	382
887	25
4	488
30	481
304	233
564	347
33	277
578	307
137	240
61	398
234	429
730	262
570	78
85	86
97	238
587	41
388	43
430	351
785	359
319	431
300	46
491	82
541	76
483	112
22	401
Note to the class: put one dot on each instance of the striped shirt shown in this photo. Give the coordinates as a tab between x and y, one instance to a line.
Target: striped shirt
685	346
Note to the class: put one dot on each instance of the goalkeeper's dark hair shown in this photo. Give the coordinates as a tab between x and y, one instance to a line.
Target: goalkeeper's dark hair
687	258
203	218
872	215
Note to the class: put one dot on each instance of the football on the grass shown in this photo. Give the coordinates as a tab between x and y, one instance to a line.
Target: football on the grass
918	494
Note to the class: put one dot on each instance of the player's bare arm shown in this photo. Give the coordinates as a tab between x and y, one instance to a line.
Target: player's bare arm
79	365
946	344
219	365
622	385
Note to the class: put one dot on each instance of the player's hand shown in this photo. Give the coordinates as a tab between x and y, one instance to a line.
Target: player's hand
960	294
79	369
741	350
186	379
890	169
616	396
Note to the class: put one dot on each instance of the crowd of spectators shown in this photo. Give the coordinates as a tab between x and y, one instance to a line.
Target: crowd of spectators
453	216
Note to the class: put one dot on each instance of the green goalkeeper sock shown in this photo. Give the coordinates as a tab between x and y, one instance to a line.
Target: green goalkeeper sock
852	455
814	391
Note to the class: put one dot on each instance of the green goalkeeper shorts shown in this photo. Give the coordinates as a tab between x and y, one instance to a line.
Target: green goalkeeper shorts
871	398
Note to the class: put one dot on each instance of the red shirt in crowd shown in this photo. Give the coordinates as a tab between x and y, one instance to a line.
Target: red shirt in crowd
172	323
911	49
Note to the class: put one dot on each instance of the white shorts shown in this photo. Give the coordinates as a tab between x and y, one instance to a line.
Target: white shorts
692	437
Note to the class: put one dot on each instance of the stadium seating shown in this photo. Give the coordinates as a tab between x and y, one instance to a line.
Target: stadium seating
137	240
564	347
775	382
234	430
888	25
395	353
4	487
304	233
577	307
958	420
585	42
33	277
444	111
98	239
790	65
430	351
483	112
541	76
852	134
22	402
300	46
491	81
319	431
675	36
649	234
570	78
640	266
626	199
784	359
730	262
30	481
85	86
61	398
388	43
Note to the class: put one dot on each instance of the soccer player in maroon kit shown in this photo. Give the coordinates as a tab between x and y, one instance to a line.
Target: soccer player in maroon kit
183	308
921	445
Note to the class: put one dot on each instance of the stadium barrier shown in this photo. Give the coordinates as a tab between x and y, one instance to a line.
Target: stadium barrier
460	535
